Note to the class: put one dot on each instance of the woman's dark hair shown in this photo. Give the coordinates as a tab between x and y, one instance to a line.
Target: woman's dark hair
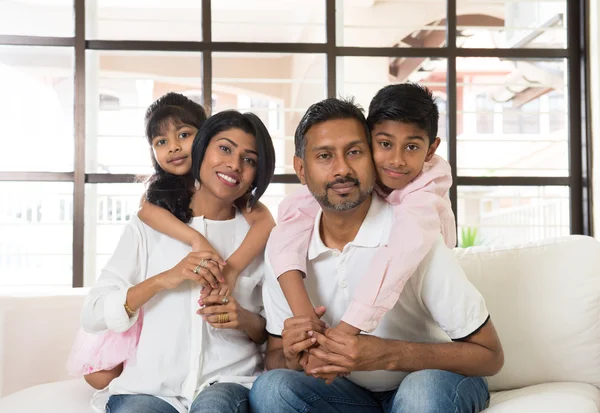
251	124
171	192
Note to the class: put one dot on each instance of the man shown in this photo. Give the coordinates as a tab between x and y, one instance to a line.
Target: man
429	351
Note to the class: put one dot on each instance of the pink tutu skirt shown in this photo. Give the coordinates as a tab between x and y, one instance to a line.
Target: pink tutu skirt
95	352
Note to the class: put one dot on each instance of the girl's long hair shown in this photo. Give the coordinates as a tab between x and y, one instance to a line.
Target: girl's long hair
165	190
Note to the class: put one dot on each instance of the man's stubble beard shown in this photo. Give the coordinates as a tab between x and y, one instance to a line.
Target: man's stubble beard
323	200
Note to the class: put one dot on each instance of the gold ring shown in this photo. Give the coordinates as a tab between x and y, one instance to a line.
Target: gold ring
224	300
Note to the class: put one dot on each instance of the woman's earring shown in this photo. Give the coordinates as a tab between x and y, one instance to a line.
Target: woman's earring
197	184
248	207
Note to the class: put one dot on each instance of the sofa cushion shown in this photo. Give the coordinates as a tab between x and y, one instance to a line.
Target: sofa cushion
36	335
544	300
548	398
71	396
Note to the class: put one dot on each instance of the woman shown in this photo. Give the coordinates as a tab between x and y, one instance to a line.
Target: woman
187	362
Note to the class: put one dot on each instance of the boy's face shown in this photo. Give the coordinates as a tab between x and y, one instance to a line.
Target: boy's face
399	152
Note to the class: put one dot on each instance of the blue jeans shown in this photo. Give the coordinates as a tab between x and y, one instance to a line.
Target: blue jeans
426	391
218	398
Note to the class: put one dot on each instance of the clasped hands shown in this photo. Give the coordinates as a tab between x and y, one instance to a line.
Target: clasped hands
325	353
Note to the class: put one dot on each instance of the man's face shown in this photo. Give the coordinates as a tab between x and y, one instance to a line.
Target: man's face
337	167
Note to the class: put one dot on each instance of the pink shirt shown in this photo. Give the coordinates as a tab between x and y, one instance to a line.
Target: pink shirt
422	211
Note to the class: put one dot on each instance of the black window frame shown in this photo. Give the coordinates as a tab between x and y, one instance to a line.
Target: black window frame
576	54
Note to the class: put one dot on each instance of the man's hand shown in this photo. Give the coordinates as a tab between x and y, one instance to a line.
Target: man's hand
296	338
344	353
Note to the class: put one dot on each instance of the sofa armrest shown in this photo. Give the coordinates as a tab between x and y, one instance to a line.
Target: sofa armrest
36	335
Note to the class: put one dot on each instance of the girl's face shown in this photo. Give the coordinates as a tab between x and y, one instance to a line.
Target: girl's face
229	165
173	149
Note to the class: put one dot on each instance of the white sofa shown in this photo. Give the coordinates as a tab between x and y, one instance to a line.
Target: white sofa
544	299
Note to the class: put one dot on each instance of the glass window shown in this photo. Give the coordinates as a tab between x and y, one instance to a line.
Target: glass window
512	24
108	208
37	108
485	114
36	234
520	144
37	18
278	87
495	215
391	23
120	87
557	112
143	20
290	21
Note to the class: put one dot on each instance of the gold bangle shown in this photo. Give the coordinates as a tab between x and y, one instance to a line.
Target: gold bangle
128	310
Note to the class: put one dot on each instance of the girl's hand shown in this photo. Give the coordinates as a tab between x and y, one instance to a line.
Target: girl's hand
200	267
222	311
228	286
199	243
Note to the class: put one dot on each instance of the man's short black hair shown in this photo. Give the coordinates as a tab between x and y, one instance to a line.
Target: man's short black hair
407	103
326	110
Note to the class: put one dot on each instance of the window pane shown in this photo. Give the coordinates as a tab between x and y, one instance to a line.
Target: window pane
108	208
36	234
511	215
512	119
290	21
37	88
512	24
144	20
120	87
37	18
277	87
362	77
391	23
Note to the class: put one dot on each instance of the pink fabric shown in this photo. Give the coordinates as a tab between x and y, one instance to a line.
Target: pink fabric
422	210
95	352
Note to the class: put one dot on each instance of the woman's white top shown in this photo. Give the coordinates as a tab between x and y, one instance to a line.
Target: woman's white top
178	354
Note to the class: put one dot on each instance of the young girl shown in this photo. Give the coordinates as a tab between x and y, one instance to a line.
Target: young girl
403	121
172	122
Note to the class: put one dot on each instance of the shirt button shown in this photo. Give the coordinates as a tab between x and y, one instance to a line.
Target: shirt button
336	253
343	284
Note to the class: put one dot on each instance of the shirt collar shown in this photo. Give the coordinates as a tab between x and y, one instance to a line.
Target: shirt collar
370	234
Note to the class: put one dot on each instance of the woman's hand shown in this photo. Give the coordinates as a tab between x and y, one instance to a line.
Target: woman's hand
200	267
222	311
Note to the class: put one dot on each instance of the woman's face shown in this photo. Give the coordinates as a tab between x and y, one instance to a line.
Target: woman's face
229	165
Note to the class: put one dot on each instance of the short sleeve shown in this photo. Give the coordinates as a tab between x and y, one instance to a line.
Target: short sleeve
451	299
276	308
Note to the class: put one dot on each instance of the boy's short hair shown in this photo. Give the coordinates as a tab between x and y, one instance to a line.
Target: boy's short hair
407	103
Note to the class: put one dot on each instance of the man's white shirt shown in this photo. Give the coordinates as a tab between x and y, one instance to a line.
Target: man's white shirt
438	303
